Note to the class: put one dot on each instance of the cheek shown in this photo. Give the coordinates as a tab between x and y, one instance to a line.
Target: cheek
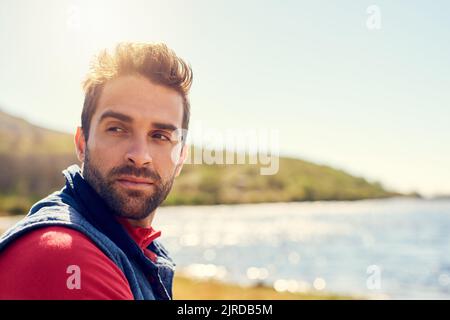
165	168
104	158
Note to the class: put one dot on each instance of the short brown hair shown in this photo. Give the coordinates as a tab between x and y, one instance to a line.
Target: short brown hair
155	62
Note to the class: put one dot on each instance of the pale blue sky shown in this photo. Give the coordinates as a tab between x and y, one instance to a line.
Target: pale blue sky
373	102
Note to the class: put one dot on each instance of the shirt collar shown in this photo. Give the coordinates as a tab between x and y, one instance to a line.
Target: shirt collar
142	236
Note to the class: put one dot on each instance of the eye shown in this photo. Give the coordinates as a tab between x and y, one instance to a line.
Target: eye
160	136
115	129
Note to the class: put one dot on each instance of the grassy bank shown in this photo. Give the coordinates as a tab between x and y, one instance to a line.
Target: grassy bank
192	289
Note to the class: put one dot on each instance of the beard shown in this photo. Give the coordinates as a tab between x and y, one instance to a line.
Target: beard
130	204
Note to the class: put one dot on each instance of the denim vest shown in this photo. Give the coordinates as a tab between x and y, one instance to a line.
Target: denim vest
79	207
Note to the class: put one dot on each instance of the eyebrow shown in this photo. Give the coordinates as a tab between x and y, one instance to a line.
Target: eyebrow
164	126
116	115
126	118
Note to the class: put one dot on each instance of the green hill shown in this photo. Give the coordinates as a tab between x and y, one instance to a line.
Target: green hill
32	158
19	137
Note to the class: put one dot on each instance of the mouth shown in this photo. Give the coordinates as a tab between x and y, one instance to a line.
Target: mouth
134	182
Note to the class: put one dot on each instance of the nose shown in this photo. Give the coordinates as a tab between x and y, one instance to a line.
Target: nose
139	153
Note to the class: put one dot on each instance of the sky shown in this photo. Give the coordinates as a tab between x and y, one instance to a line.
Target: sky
371	99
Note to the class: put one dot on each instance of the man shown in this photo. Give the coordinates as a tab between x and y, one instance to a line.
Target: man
94	239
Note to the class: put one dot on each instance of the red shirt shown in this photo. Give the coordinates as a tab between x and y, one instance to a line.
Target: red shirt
39	265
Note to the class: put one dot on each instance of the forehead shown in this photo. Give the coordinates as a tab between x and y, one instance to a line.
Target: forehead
141	100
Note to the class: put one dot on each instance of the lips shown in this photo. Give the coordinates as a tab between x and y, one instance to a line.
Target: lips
130	181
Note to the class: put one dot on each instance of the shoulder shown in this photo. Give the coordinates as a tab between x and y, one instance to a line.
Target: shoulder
52	242
58	262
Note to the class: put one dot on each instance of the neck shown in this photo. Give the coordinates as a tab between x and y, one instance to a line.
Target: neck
143	223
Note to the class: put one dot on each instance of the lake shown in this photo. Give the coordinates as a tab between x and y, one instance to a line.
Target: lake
396	248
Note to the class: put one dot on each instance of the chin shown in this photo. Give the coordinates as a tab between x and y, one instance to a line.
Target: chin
133	215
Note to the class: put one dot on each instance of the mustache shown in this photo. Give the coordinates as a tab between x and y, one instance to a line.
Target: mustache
137	172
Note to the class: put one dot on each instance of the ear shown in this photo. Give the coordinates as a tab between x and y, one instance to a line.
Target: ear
181	160
80	144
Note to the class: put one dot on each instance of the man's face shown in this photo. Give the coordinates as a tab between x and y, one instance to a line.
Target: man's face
128	155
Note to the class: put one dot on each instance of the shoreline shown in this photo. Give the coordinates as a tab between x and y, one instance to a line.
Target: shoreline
188	288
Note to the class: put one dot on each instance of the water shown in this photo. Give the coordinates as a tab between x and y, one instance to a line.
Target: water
395	248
